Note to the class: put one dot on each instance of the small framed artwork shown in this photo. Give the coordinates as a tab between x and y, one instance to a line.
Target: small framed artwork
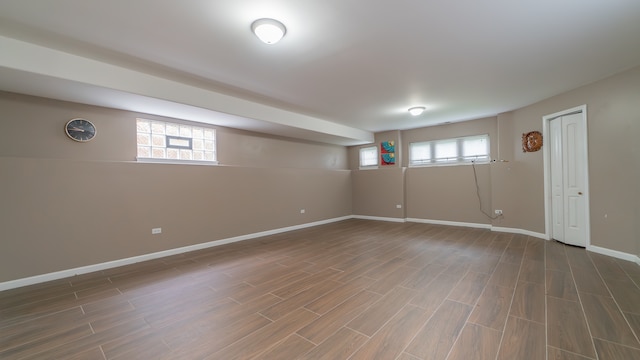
387	153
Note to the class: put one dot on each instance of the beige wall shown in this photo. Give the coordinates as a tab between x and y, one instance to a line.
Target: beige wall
516	184
613	121
65	204
445	193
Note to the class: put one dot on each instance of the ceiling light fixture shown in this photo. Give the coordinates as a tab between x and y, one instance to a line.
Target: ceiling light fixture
417	110
270	31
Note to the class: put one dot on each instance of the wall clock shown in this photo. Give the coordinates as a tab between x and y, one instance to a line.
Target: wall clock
531	141
80	130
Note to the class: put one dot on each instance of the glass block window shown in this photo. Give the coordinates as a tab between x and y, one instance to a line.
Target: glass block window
450	151
162	140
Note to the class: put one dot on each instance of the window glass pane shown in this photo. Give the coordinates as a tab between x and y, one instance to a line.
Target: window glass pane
159	140
369	156
172	153
185	131
159	153
186	154
419	153
144	151
165	140
143	126
144	139
173	129
474	147
446	150
158	127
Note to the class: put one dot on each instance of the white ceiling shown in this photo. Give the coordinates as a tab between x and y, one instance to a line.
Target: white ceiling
345	69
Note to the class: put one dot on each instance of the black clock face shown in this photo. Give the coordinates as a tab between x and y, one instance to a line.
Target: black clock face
80	130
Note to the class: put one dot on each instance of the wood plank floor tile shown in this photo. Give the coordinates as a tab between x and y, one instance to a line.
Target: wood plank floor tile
36	347
555	256
295	287
327	324
608	267
588	280
523	339
431	297
505	274
567	327
513	255
208	303
492	308
634	322
337	296
469	288
423	277
485	263
292	347
535	249
386	283
379	313
560	284
28	331
578	258
437	337
626	293
532	271
394	336
339	346
558	354
612	351
144	344
606	321
476	342
197	340
529	302
261	340
301	299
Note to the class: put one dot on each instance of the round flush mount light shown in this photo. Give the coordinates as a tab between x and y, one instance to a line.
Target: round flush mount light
269	31
416	110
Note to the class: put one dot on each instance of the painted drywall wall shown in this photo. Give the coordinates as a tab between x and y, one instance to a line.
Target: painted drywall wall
515	182
378	192
613	126
65	204
443	193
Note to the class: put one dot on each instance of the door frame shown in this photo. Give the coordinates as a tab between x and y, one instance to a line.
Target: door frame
547	171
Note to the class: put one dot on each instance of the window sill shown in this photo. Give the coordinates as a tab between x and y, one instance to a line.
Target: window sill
175	162
448	164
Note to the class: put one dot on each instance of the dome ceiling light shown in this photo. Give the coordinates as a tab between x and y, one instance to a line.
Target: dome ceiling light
269	31
417	110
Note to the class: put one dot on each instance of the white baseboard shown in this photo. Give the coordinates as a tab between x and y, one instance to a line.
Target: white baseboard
132	260
520	231
614	253
378	218
450	223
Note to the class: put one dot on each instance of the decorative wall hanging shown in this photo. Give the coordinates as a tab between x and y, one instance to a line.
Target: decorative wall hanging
531	141
387	153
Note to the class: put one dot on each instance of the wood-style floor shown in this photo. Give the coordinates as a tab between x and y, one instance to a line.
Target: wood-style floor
355	289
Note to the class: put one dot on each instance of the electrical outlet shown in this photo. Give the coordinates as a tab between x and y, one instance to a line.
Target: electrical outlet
498	212
302	211
155	231
398	206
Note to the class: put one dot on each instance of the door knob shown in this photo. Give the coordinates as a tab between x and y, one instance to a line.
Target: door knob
579	192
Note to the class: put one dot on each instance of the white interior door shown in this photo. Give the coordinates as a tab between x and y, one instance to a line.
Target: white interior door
568	164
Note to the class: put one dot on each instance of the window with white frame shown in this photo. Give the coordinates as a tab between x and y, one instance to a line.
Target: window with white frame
162	140
368	157
450	151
